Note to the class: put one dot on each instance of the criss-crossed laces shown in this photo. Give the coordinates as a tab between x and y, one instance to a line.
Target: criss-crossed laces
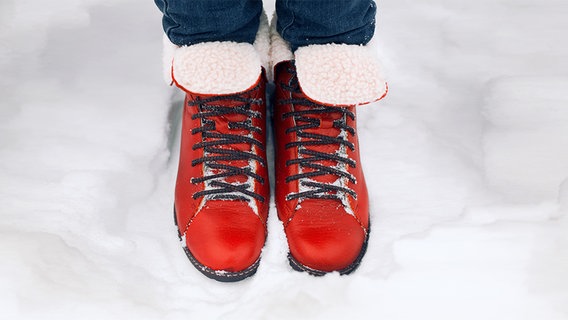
309	116
216	159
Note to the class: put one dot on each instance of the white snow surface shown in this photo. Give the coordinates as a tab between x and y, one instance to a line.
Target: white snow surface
466	162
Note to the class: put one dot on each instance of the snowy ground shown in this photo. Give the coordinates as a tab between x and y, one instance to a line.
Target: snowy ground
467	163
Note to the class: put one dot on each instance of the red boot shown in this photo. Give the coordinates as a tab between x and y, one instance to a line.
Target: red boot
222	190
321	196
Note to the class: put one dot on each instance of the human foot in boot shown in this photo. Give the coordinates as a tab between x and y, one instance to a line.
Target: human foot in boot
321	195
222	189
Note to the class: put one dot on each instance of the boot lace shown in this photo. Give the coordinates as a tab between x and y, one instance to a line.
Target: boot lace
215	172
310	117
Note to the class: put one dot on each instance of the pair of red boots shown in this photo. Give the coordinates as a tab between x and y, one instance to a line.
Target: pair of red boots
222	191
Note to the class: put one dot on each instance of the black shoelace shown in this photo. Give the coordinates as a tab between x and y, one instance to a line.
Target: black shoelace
310	116
216	185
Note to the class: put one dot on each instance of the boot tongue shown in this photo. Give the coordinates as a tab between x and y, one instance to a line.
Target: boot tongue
222	127
326	128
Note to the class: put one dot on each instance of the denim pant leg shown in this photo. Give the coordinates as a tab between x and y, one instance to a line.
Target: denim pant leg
193	21
305	22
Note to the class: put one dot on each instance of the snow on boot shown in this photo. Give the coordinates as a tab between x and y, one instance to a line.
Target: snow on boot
321	195
222	189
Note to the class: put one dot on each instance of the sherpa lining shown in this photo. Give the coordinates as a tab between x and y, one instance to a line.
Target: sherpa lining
279	49
261	44
262	41
216	67
339	74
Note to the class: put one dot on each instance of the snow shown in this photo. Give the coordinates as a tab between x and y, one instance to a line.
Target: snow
527	122
466	161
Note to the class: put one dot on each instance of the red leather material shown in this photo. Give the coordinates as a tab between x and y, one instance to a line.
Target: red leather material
322	234
324	237
226	236
223	235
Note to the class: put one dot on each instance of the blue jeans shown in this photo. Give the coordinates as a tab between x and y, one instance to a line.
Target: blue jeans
300	22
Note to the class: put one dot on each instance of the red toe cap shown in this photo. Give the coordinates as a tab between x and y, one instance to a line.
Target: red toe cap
228	238
325	240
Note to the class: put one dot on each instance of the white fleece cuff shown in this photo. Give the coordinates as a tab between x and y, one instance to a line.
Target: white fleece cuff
261	45
279	49
339	74
262	41
216	67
